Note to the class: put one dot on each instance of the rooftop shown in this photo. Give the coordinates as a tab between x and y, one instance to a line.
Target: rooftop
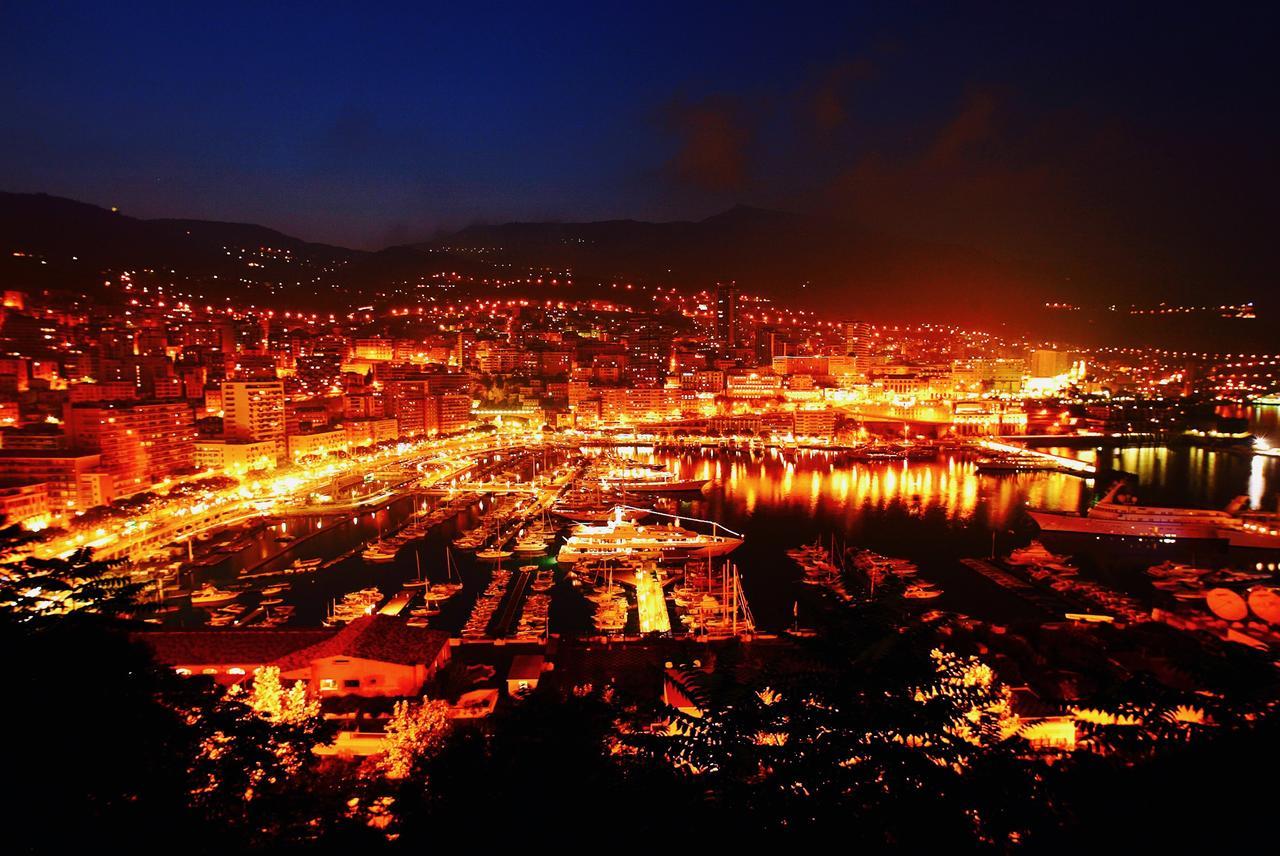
373	637
199	647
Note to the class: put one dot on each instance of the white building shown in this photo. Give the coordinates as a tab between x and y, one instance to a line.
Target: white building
254	410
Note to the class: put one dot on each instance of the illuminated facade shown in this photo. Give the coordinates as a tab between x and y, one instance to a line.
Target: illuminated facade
235	457
139	444
254	410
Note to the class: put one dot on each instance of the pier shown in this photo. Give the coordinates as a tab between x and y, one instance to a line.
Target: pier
1051	604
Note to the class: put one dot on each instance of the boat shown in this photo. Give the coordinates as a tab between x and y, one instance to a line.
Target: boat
354	605
1263	449
477	624
470	541
1177	571
1116	514
1036	555
596	505
418	581
1014	464
620	537
921	591
873	452
493	554
379	552
646	480
453	580
209	596
530	546
592	512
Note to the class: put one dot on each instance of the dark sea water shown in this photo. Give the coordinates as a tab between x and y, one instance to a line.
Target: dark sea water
932	512
937	512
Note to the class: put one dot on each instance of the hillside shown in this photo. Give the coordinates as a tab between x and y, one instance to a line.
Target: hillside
803	261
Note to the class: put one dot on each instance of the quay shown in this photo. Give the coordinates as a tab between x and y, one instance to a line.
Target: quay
1037	597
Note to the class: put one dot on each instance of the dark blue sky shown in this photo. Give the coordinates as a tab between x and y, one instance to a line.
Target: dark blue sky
1145	134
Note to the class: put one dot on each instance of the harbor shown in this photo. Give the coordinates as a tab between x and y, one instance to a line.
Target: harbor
564	542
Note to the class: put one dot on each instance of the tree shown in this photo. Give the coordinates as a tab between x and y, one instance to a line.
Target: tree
253	768
266	697
882	729
526	755
272	701
415	732
126	744
39	590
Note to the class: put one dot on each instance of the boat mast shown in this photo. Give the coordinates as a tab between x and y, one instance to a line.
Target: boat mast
735	600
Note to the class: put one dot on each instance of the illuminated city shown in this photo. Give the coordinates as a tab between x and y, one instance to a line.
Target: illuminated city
911	512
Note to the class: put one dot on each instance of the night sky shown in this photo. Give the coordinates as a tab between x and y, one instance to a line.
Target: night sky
1139	138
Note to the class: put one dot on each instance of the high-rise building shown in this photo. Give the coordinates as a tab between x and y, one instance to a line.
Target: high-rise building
727	320
859	341
73	479
254	410
649	350
1046	363
452	411
413	415
375	349
233	457
140	444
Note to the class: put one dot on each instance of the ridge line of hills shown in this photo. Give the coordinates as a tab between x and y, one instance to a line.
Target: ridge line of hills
799	261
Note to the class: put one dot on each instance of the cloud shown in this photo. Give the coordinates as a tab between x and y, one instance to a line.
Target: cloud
713	140
971	126
828	107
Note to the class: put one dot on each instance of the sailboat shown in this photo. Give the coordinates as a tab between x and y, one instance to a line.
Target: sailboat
448	589
379	552
417	582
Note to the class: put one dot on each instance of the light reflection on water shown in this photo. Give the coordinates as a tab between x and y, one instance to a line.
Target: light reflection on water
1199	477
932	512
821	484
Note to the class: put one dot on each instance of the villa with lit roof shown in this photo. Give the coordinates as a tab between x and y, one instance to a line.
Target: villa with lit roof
375	655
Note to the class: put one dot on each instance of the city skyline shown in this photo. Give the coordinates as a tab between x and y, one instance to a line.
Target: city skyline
428	426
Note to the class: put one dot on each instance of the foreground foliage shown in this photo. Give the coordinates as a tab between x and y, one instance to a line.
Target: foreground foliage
883	741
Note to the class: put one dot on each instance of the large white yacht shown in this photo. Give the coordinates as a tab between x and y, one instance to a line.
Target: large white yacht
620	538
631	476
648	480
1115	516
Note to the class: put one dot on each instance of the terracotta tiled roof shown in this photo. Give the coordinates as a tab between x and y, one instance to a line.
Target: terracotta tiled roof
374	637
210	647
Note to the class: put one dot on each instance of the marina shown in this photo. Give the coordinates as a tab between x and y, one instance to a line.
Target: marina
525	571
